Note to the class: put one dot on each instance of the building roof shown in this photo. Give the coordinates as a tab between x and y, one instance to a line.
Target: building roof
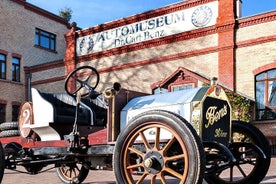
41	11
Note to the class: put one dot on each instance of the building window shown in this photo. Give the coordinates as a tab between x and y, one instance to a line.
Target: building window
45	39
2	113
266	95
3	66
16	69
182	87
15	112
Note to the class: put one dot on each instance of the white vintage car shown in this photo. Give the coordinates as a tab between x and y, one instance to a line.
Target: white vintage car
178	137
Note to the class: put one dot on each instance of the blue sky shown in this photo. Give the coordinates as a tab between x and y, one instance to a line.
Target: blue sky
88	13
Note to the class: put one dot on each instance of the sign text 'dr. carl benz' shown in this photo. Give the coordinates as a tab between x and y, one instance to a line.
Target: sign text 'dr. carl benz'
149	29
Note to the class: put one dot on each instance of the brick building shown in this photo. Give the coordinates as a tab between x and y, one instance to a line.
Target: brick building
29	36
185	44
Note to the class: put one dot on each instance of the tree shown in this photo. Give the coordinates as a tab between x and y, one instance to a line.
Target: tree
66	13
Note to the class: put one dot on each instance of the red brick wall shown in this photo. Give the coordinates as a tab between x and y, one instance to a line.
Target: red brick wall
226	34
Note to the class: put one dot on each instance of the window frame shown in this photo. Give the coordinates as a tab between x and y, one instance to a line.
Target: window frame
179	87
41	36
266	112
16	69
15	112
2	113
3	62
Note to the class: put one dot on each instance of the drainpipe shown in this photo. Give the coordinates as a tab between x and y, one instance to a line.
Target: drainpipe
29	78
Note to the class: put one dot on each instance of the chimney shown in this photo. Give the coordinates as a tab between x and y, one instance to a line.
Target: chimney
239	8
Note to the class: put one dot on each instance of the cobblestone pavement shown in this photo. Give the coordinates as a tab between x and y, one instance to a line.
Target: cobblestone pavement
94	177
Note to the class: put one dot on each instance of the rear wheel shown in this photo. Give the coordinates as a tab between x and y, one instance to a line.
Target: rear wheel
72	173
252	152
158	147
2	162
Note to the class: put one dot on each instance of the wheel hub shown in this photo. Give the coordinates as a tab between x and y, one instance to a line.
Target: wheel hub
153	162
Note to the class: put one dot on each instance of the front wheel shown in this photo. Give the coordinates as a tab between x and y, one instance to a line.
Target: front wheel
252	152
72	173
158	146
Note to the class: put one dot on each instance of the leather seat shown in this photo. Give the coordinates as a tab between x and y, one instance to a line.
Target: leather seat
65	106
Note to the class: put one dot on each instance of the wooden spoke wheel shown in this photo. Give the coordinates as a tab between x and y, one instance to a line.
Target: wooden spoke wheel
252	153
72	173
158	146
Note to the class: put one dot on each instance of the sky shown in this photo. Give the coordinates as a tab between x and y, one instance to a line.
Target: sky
89	13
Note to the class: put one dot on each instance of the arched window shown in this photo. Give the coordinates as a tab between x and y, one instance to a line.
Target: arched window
266	95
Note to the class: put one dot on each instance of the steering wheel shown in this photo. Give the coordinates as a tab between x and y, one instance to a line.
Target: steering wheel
85	78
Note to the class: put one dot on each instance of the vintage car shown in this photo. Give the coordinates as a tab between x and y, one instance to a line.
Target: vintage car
178	137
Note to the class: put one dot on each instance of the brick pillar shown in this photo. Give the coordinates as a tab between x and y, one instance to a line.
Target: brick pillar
226	42
69	59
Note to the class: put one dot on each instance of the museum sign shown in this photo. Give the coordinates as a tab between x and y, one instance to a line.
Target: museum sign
149	29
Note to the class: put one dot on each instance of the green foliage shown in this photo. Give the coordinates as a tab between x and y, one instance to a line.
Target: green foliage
66	13
240	106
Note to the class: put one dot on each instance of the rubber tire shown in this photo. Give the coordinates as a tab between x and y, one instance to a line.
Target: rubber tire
9	126
178	124
9	133
83	173
261	168
2	162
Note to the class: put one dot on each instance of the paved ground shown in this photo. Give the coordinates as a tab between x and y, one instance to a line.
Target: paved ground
94	177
